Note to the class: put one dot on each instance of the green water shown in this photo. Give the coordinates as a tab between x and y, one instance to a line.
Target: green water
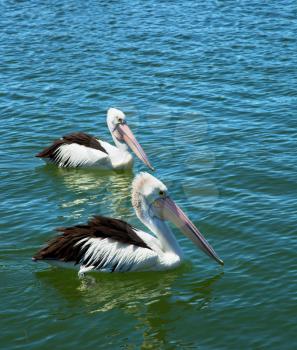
209	90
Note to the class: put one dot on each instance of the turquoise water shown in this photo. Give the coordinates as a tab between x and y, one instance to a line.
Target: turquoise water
209	90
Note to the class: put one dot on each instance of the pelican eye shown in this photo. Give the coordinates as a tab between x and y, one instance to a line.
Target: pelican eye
120	120
161	193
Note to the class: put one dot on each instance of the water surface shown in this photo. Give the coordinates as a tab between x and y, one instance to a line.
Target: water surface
209	89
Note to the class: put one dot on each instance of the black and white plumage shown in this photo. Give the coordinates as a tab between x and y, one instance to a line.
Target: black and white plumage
83	150
62	151
112	245
101	244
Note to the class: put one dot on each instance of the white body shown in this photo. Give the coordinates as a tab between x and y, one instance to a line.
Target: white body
78	155
126	257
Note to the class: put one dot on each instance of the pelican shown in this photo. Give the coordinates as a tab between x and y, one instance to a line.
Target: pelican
112	245
83	150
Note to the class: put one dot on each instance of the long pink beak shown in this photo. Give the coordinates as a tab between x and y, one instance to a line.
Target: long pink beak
127	135
168	210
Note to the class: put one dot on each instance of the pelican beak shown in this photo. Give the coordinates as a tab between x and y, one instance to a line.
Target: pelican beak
168	210
127	135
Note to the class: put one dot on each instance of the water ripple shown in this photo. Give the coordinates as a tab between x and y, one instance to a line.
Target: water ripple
210	91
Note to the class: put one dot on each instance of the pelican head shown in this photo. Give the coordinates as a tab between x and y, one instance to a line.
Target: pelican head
122	134
151	200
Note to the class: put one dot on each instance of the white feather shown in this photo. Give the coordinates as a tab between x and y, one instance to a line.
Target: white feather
109	253
119	158
75	155
150	240
79	155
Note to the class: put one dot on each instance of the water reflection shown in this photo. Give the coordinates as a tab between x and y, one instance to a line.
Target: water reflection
81	180
81	189
104	292
155	300
185	299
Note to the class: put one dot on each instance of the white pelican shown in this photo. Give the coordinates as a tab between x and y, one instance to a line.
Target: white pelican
82	150
112	245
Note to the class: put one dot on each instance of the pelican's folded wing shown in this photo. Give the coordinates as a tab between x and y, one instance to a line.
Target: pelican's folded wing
103	244
74	150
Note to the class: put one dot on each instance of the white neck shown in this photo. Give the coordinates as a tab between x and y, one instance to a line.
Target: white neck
164	234
121	145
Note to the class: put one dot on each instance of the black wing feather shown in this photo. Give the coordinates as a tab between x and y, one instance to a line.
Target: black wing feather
65	247
79	138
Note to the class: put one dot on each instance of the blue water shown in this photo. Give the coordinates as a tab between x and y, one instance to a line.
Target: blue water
209	90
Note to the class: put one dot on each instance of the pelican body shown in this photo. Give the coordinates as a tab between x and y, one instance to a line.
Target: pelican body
83	150
112	245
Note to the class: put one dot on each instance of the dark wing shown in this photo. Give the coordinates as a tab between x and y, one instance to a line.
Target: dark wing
53	151
74	242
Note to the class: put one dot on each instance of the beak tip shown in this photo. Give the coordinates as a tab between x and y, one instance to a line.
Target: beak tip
221	262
